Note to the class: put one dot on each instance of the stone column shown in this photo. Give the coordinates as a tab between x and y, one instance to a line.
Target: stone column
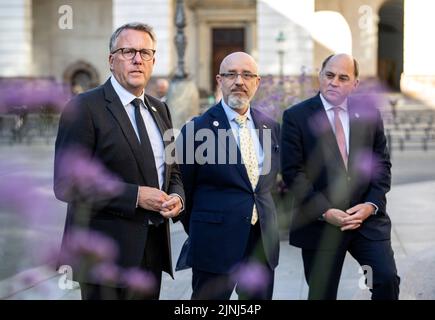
16	38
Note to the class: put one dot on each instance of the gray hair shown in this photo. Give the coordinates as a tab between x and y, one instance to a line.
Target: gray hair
139	26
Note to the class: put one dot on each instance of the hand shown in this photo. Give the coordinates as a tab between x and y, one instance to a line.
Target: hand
152	198
172	207
357	215
335	217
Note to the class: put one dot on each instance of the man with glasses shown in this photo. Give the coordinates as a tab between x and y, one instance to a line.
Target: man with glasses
230	215
120	126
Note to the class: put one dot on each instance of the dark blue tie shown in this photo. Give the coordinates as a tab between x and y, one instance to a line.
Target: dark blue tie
148	155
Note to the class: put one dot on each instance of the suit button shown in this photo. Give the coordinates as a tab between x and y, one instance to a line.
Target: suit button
348	178
248	219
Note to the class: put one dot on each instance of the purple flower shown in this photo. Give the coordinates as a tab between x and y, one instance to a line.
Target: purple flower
106	273
319	124
139	281
368	164
86	177
29	95
86	248
251	277
22	194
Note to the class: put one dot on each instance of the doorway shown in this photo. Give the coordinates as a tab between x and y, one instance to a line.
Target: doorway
224	42
390	46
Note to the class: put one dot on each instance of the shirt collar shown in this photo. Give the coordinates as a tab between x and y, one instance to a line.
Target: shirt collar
125	96
329	106
231	114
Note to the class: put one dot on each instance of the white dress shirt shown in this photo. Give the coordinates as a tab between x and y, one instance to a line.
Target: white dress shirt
153	131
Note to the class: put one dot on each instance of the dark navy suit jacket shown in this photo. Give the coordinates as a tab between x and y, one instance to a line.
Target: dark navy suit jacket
313	169
220	198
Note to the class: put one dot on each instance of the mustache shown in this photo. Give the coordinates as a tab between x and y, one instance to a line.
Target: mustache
239	90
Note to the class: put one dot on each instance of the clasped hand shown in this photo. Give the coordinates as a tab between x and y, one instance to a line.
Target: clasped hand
351	218
153	199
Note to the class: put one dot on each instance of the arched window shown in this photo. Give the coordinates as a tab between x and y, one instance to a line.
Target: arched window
81	76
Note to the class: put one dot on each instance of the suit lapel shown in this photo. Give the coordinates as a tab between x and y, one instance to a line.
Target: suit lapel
219	121
320	124
117	109
155	114
261	124
356	133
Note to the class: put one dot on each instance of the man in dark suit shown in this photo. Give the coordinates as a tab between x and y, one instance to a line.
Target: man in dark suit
228	177
335	161
120	126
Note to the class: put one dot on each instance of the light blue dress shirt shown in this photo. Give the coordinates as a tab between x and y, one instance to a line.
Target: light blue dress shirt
231	115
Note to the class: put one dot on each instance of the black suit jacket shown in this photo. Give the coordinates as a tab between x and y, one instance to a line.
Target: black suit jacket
219	195
313	169
98	122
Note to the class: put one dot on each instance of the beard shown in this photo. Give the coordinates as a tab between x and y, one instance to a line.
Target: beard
237	102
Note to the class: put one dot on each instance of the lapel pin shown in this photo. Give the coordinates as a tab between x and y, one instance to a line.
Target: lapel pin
357	115
215	123
264	126
154	108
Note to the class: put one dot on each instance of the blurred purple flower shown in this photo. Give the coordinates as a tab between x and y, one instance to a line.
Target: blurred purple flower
251	277
367	164
82	247
319	124
35	94
80	244
86	177
139	281
22	194
105	273
274	96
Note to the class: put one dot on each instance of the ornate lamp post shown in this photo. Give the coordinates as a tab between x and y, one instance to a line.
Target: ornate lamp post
183	95
180	40
280	41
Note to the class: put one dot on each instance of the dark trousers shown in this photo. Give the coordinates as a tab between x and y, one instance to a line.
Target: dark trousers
212	286
151	262
323	268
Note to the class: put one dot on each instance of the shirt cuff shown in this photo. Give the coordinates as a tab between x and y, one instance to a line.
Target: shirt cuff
376	208
137	198
181	199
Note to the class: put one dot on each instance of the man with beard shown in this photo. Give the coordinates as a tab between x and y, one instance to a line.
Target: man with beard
230	215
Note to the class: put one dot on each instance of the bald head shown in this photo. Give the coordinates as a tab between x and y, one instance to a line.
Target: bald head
238	80
241	58
162	86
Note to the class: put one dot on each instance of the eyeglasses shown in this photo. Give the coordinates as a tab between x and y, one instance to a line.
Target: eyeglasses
130	53
233	75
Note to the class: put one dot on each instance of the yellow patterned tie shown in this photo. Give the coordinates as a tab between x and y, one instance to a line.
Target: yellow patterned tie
249	157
